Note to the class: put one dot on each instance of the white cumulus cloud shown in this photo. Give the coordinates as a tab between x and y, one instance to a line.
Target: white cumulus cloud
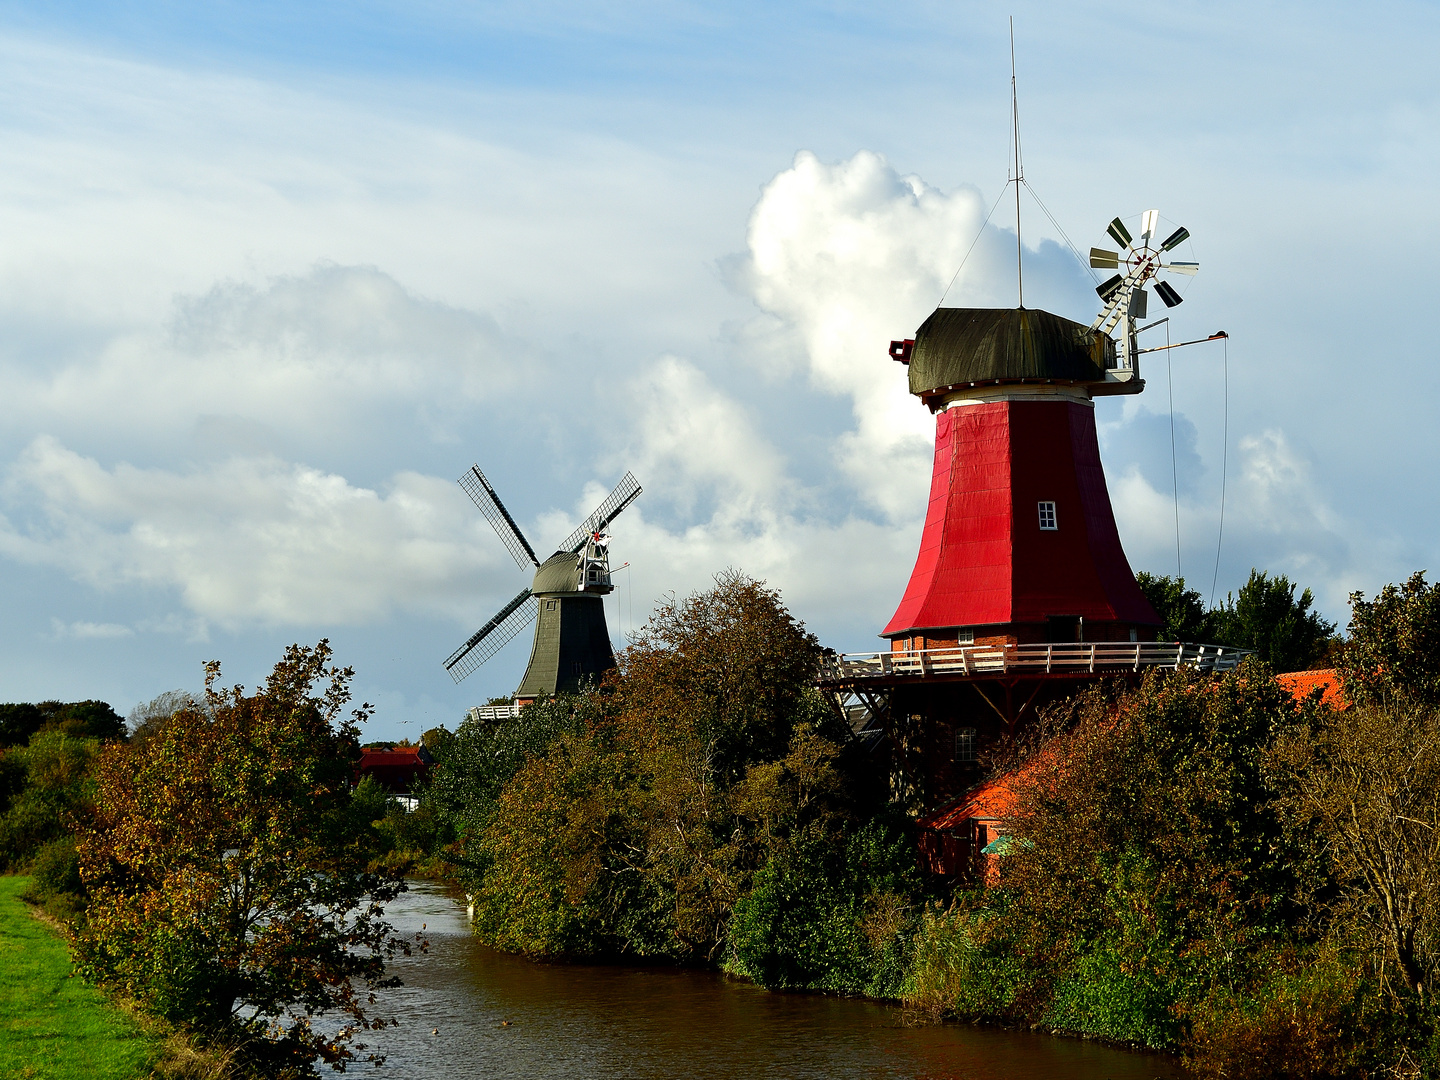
248	539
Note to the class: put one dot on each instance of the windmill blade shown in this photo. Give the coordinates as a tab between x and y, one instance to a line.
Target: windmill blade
1119	233
1166	293
624	494
1176	238
479	489
1189	269
1149	221
1104	260
1107	288
493	636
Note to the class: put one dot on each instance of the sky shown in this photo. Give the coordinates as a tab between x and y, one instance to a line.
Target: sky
272	276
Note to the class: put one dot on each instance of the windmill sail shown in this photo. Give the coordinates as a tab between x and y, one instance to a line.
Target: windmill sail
493	636
624	494
479	489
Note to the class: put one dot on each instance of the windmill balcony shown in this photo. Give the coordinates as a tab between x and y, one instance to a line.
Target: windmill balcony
992	661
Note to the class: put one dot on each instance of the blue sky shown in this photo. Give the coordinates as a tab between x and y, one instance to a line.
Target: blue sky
272	276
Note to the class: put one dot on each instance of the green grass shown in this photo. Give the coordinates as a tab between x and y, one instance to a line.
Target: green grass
52	1025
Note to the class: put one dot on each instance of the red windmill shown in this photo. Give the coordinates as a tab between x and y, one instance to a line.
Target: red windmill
1021	587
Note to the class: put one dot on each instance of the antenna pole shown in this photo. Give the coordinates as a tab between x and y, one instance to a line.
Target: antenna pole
1019	175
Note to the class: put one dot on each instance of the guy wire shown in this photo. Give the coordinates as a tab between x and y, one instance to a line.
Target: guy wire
1224	463
1174	470
972	245
1073	250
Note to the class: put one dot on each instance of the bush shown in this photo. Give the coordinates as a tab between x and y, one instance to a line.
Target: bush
1315	1014
56	869
51	786
953	973
55	880
1111	994
831	913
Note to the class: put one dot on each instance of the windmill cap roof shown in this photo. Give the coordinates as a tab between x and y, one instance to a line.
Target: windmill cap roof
560	573
959	346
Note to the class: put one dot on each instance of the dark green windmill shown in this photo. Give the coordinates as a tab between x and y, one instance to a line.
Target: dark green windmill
572	643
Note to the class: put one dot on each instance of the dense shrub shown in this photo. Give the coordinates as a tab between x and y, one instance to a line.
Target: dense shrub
1313	1013
49	785
1151	864
956	970
833	913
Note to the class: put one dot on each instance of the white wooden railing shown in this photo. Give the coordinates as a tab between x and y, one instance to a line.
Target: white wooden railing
494	712
1066	659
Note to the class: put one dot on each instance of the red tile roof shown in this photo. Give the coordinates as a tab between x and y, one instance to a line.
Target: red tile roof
395	755
992	799
397	768
1301	683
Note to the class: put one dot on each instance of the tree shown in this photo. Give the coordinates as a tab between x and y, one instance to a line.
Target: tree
473	766
226	867
1393	655
1181	609
149	717
730	667
1367	782
81	719
1266	616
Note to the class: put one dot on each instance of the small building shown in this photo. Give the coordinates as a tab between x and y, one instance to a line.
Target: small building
953	840
400	770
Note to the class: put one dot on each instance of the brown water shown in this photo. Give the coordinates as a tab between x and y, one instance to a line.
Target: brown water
597	1022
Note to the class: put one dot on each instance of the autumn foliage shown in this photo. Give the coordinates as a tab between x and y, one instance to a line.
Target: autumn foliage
663	815
226	870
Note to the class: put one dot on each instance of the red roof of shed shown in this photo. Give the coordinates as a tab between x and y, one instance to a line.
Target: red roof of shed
992	799
1301	683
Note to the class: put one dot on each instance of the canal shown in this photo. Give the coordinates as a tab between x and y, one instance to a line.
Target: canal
468	1011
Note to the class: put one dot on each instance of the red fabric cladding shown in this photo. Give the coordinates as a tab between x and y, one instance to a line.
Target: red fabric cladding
1107	554
964	560
983	557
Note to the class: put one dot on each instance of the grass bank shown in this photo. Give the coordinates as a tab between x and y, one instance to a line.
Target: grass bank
52	1025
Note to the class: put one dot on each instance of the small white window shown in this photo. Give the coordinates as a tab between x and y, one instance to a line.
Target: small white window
965	637
1047	517
964	745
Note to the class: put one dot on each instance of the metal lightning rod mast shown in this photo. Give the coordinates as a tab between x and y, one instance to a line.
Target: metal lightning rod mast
1019	175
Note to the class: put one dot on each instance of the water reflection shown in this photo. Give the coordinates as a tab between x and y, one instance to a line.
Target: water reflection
500	1016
